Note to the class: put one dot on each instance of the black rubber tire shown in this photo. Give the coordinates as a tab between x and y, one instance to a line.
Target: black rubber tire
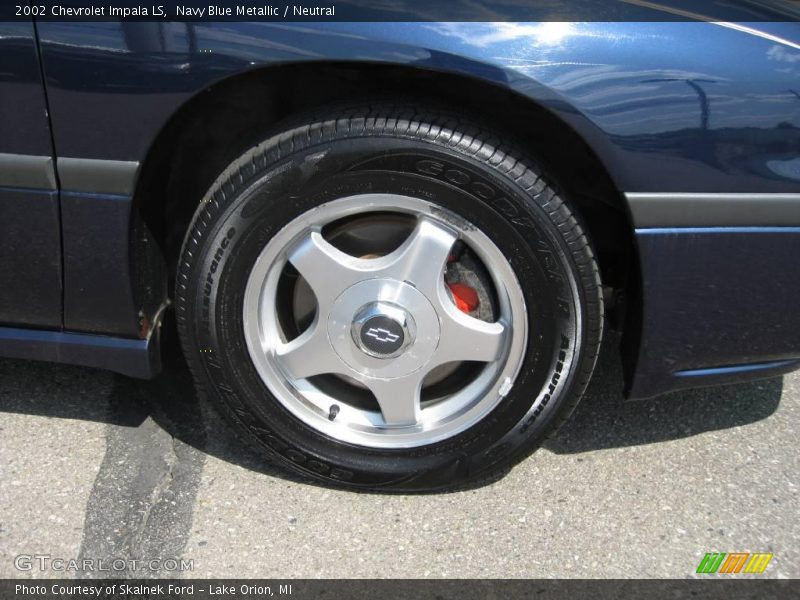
447	160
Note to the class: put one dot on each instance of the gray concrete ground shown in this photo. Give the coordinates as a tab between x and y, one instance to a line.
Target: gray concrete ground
98	466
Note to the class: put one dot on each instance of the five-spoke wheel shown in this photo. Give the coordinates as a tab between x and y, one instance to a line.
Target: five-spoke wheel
384	321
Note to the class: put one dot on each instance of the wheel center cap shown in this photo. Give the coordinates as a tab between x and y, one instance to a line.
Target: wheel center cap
380	319
383	329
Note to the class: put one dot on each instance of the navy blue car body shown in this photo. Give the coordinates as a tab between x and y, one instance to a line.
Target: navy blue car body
680	140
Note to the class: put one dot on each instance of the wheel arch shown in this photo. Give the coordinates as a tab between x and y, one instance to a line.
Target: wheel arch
225	119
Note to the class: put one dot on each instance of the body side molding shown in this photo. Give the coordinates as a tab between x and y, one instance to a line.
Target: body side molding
27	171
95	176
662	210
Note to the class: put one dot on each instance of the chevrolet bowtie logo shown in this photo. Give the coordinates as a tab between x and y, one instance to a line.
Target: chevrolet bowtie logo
379	334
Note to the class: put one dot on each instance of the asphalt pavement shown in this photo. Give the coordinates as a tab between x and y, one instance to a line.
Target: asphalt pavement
114	476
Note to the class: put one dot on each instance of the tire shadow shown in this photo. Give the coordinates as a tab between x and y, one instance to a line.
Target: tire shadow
602	420
605	419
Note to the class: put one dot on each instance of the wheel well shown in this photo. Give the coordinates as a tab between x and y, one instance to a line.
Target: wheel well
228	118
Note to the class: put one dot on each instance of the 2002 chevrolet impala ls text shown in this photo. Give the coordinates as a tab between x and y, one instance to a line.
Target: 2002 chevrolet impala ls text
392	248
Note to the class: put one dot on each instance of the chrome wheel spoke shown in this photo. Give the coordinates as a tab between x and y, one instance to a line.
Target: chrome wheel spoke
327	269
309	354
467	338
422	258
399	399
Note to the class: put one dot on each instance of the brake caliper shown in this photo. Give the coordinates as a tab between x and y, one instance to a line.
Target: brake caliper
465	297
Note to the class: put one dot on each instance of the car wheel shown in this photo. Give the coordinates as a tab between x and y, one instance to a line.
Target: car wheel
389	298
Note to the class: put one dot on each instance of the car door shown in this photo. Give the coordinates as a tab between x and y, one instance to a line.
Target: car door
30	237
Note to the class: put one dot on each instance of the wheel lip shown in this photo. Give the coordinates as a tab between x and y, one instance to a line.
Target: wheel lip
490	387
